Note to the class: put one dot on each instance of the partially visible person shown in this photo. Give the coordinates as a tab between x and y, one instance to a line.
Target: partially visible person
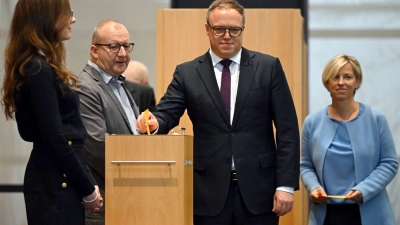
137	72
39	92
347	150
106	105
243	173
139	89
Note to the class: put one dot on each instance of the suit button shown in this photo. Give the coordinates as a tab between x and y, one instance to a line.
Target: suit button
232	133
70	142
65	175
64	185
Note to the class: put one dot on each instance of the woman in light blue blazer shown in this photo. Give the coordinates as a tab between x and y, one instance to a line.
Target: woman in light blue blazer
348	154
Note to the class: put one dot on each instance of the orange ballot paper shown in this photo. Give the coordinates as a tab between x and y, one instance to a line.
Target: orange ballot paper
336	196
146	119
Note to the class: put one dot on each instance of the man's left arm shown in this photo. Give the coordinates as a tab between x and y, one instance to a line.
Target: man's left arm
283	200
287	140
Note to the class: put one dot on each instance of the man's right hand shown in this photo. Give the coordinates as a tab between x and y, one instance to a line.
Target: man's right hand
141	123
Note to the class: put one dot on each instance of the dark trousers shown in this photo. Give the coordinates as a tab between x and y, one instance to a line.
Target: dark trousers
235	212
342	214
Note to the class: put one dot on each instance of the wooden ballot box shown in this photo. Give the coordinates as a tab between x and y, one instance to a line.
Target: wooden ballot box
149	179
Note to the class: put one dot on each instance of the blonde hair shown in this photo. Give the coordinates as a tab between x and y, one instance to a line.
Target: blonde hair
336	63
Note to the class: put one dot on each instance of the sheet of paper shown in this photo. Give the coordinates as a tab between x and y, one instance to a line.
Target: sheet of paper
336	196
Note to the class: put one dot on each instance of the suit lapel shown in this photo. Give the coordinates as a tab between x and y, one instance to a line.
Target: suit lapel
246	76
97	77
205	70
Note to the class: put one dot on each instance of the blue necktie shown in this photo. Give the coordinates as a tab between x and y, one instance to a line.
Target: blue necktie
226	85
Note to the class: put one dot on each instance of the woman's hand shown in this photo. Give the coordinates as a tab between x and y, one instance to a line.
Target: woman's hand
94	201
318	195
355	195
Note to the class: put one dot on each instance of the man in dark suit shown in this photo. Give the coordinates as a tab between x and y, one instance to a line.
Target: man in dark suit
242	173
106	106
137	84
142	94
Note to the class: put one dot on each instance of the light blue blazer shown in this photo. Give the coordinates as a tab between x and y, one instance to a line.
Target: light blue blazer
374	158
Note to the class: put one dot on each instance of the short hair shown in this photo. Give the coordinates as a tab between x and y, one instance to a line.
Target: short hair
338	62
137	72
97	30
226	4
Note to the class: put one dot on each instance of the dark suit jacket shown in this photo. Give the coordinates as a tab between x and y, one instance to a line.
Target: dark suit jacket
262	162
142	94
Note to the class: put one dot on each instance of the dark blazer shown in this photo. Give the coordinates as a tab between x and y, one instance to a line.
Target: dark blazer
262	162
142	94
56	177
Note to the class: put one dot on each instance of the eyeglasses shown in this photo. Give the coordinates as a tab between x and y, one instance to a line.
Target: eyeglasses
220	31
116	47
72	15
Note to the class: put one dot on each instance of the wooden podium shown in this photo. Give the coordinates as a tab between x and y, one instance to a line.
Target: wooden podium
149	179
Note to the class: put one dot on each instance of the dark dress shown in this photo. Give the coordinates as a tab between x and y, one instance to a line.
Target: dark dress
56	177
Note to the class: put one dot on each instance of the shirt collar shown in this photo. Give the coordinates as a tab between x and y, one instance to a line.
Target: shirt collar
106	76
216	59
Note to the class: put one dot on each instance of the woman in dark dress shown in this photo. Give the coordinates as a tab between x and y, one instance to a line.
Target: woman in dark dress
38	91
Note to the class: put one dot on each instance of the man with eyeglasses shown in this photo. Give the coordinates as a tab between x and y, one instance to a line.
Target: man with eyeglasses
234	97
106	105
